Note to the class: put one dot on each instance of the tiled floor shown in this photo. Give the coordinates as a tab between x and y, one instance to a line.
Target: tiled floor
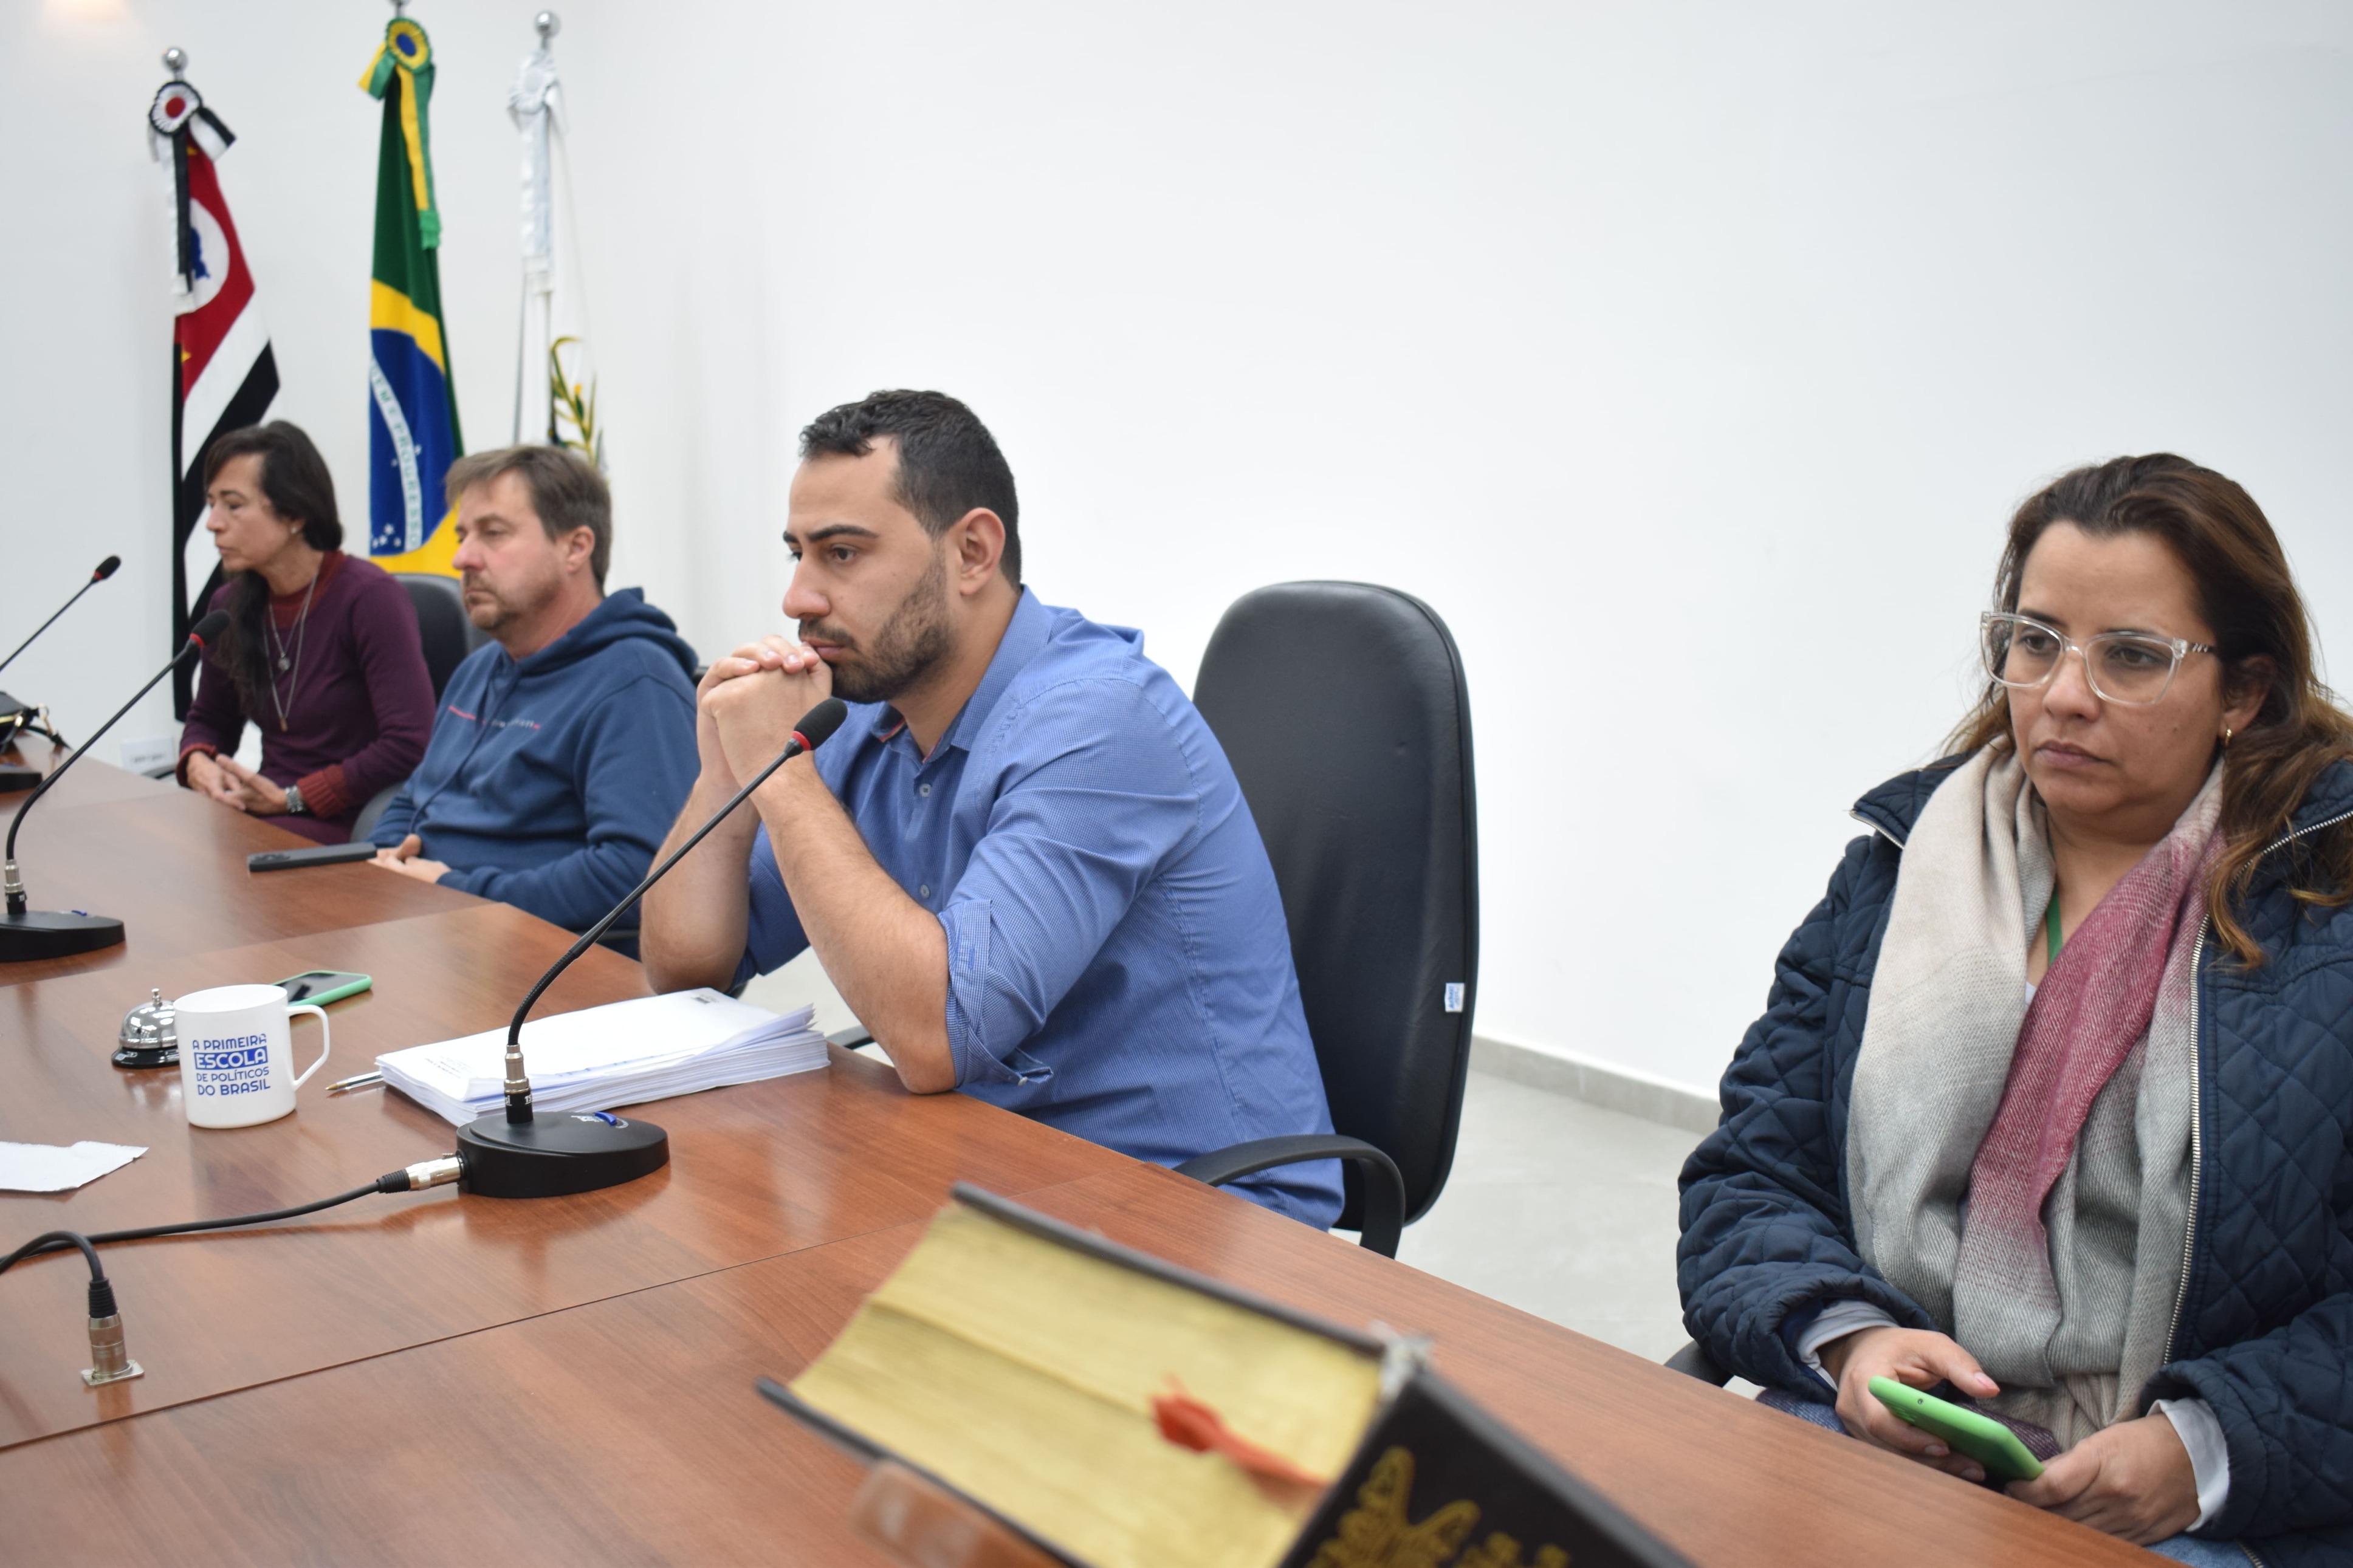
1559	1208
1562	1209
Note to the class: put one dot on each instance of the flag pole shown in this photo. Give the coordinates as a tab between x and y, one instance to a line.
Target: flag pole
547	24
223	373
413	428
529	104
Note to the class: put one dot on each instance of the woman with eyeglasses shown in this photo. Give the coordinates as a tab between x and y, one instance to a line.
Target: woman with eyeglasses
2051	1106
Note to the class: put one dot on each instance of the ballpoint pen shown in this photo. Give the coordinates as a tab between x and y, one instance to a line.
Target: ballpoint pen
361	1082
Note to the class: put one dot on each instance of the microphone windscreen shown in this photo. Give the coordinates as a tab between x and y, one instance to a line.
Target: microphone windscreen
211	626
817	725
106	569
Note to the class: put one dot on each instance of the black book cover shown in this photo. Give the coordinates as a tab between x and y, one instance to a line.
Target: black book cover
1438	1483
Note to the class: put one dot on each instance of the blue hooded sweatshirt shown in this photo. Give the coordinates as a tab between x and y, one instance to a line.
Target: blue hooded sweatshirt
550	782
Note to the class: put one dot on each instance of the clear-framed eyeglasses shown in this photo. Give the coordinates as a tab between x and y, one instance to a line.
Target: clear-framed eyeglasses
2133	667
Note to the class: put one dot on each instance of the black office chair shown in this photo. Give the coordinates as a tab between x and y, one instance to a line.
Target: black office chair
364	824
1343	711
441	621
1694	1361
449	636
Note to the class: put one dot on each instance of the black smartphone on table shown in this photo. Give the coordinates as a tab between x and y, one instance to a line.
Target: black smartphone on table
309	855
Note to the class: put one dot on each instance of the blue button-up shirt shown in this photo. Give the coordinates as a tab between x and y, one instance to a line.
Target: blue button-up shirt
1118	963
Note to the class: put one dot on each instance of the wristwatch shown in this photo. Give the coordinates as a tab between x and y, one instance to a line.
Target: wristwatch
295	806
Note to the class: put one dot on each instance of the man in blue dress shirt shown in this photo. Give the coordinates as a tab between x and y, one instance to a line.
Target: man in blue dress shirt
1024	861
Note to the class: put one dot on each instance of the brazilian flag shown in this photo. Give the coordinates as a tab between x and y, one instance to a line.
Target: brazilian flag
413	424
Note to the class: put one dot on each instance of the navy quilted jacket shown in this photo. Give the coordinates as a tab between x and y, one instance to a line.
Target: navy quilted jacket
2264	1327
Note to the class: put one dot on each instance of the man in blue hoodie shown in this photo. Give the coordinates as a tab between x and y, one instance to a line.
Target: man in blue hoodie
563	749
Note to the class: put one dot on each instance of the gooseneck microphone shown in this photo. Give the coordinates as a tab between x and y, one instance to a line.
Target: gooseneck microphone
106	569
51	934
522	1157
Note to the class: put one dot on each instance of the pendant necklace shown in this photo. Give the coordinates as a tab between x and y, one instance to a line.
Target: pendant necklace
301	634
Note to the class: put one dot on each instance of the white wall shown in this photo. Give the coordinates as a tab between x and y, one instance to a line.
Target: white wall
1687	357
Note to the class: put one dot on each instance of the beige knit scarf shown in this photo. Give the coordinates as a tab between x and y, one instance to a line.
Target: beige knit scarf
2023	1173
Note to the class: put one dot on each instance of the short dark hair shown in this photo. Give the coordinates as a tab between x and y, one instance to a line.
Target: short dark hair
948	462
565	488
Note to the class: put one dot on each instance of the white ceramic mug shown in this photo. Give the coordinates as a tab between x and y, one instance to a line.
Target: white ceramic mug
236	1054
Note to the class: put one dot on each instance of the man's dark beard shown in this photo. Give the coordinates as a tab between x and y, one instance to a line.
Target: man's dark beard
911	644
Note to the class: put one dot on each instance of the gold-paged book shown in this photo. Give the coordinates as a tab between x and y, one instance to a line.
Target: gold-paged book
1119	1412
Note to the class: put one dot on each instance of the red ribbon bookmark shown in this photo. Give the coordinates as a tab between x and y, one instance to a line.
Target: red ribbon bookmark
1189	1424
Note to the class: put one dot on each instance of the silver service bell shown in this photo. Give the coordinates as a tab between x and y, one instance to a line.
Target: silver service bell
149	1039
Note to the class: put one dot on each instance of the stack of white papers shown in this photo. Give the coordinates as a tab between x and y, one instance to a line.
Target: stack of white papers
624	1053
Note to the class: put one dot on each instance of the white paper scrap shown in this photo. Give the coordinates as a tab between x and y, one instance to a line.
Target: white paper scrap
51	1168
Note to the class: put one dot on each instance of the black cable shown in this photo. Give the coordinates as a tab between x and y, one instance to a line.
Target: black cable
102	1289
58	1240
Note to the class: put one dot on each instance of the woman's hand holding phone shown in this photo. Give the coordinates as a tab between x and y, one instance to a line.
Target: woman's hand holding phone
1917	1358
2133	1479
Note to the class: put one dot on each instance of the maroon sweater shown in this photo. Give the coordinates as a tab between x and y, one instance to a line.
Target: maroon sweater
362	703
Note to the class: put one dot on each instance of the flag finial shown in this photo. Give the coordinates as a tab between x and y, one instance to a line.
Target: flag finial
549	24
175	61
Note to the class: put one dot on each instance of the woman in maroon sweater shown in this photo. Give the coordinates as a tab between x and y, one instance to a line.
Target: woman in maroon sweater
322	649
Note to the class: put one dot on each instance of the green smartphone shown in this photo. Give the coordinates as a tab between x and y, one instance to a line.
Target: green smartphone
1981	1437
320	986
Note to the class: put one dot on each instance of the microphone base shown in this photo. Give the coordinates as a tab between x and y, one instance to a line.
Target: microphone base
14	777
55	934
575	1152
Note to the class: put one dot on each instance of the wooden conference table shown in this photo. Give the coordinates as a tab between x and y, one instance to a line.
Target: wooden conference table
434	1377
